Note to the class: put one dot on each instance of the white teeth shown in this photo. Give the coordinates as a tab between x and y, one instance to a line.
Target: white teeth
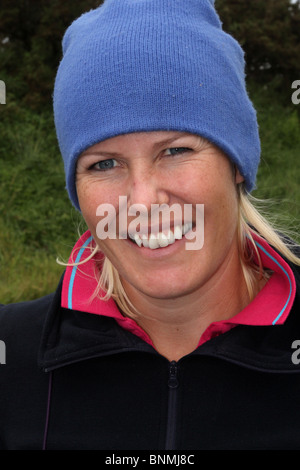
178	232
137	240
170	237
153	242
186	228
162	239
145	241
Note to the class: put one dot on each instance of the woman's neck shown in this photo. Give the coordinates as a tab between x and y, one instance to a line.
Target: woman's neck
175	325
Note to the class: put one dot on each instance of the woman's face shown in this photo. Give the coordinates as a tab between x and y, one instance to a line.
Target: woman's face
155	168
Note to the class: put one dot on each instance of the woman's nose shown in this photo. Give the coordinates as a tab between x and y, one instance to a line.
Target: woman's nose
147	188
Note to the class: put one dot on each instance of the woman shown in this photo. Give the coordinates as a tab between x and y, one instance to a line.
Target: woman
174	324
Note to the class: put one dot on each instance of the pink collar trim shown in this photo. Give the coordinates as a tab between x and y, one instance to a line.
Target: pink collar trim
270	307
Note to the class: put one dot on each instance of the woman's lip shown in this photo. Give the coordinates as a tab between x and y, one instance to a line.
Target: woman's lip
157	252
154	229
158	228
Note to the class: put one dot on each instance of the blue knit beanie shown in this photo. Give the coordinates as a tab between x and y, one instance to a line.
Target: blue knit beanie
146	65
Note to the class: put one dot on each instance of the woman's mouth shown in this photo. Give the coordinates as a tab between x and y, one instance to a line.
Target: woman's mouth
161	239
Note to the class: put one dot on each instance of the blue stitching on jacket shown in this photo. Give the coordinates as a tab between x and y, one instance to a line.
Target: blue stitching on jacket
287	275
70	291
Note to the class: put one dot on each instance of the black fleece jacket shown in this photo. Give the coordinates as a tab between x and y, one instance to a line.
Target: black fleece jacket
79	381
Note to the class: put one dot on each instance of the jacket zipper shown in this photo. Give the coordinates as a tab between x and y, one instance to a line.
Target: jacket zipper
173	384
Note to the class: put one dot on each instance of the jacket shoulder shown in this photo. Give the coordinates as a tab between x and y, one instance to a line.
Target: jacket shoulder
23	316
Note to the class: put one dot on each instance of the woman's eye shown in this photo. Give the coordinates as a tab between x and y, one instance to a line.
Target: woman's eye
105	165
177	150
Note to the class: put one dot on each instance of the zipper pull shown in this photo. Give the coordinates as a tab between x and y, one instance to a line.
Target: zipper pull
173	378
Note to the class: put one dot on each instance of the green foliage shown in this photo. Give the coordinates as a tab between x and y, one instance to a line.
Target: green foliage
37	220
279	172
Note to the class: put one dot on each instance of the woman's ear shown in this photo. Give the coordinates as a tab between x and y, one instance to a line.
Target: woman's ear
238	177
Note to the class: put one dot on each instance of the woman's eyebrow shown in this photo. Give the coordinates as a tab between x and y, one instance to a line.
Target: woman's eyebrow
90	153
170	140
155	145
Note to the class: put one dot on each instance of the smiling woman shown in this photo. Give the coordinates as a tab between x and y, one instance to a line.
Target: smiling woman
148	174
178	306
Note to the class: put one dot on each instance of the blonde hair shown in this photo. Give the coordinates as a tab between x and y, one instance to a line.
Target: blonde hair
250	219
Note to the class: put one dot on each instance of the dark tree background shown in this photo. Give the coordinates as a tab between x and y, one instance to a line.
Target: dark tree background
31	33
30	44
269	32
